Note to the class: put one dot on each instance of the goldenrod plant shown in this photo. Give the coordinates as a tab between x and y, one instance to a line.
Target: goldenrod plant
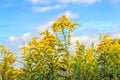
7	70
48	56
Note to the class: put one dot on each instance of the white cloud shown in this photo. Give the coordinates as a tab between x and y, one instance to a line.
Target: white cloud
115	35
26	36
45	26
57	4
46	8
80	1
88	40
18	40
39	1
89	1
12	38
84	39
66	1
114	1
68	14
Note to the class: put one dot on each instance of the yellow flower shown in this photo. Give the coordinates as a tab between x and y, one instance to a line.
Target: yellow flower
25	49
66	23
9	59
77	42
62	24
69	36
4	50
73	62
51	50
46	32
71	25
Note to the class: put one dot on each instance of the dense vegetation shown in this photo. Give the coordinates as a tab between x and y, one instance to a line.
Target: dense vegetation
49	56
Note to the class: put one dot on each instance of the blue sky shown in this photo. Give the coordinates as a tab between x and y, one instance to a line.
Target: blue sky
22	19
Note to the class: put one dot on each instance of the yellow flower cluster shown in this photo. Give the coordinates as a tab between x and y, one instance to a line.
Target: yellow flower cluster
111	49
17	72
8	55
63	23
4	50
36	46
48	57
6	63
89	55
47	44
107	45
9	59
